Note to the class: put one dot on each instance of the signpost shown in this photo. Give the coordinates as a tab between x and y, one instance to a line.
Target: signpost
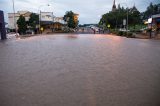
124	22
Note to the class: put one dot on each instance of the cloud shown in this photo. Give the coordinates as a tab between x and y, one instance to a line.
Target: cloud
90	11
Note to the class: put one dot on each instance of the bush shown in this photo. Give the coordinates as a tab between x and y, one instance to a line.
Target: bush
136	31
124	33
120	33
130	35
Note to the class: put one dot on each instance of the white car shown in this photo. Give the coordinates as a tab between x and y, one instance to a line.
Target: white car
124	30
96	29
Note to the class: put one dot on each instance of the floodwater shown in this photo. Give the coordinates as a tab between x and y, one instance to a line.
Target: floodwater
79	70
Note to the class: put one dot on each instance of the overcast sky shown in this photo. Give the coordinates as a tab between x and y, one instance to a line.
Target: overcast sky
90	11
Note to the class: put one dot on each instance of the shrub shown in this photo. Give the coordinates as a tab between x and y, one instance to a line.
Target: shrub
120	33
124	33
130	35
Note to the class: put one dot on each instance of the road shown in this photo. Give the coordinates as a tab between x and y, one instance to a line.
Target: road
79	70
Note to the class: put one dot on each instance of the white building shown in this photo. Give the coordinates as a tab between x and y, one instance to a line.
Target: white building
47	19
12	19
46	16
59	20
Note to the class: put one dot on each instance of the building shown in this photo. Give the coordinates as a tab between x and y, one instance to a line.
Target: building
153	22
156	21
59	23
114	6
46	17
51	23
12	18
2	26
46	21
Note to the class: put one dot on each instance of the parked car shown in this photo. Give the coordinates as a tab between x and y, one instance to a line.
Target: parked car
30	32
124	30
95	28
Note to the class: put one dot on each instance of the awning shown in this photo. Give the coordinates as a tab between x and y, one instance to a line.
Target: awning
46	22
158	20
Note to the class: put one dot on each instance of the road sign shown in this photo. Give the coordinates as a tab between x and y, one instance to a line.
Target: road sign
124	22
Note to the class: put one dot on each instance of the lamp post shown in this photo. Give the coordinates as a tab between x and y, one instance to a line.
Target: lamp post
40	15
15	26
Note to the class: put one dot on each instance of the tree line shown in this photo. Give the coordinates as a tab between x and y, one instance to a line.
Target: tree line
115	18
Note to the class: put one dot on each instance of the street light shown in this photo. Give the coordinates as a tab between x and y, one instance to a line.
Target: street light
13	4
39	9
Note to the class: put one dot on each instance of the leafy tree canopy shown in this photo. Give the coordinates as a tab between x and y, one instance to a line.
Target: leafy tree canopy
22	26
151	10
69	17
34	20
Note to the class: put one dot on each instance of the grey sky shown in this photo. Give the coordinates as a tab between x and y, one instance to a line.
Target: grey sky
90	11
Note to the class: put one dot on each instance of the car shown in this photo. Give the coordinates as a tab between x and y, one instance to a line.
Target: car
30	32
95	28
124	30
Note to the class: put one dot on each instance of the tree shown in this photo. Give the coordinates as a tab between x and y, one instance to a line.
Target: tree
33	21
151	10
115	19
69	17
22	26
134	16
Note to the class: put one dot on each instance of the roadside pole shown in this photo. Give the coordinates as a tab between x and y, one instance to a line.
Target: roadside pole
15	26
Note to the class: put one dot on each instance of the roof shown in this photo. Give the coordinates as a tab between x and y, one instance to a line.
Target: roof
46	22
25	13
76	14
156	16
58	23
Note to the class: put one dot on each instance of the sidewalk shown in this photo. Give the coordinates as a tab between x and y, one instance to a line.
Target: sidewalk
142	36
147	36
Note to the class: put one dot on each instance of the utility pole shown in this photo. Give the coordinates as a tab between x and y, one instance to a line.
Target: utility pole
40	16
127	20
127	16
15	26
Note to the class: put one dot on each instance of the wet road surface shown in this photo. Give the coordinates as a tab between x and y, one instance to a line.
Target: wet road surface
86	70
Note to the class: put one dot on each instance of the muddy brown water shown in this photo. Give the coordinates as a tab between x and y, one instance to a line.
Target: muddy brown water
79	70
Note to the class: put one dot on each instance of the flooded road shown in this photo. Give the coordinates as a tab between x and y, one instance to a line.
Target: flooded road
79	70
